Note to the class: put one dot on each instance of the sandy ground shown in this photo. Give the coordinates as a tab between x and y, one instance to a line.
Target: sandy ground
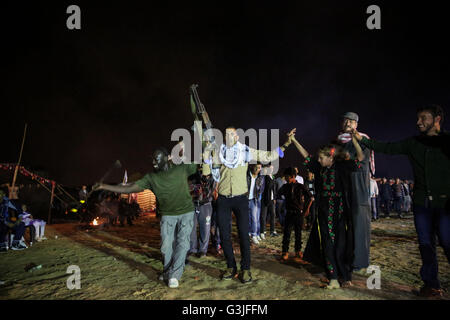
124	263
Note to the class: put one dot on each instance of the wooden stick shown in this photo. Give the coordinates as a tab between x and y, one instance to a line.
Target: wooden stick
20	156
49	221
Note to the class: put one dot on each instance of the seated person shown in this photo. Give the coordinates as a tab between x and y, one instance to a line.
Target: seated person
10	221
37	224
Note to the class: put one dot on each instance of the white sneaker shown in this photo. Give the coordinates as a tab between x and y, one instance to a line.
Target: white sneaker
255	240
263	236
173	283
43	238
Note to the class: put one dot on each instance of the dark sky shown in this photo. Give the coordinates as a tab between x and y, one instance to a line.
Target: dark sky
118	87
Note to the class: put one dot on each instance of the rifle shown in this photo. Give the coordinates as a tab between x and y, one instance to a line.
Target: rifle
198	109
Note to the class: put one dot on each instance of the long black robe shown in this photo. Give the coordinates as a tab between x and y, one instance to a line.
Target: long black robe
361	207
314	251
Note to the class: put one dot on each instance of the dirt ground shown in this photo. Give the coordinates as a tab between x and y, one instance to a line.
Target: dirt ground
124	263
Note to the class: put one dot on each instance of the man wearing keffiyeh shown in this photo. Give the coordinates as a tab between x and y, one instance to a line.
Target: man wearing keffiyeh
360	192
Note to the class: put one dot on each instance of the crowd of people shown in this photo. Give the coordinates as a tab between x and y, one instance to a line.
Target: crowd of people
337	201
390	195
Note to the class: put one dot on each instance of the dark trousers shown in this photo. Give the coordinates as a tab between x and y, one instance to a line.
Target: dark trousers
398	202
373	205
17	230
202	219
294	220
281	211
239	206
268	212
215	233
386	205
430	223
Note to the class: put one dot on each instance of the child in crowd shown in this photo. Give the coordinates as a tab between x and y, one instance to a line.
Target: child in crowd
295	195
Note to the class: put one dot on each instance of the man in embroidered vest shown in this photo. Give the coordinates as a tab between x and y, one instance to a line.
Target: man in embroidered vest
233	158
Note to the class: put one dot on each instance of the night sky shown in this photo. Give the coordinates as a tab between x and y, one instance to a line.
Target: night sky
117	88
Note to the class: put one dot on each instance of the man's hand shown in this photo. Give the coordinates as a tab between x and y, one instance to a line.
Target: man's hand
356	135
306	213
290	136
97	186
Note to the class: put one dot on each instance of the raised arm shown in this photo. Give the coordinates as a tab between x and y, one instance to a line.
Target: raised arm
299	147
359	151
268	156
400	147
129	188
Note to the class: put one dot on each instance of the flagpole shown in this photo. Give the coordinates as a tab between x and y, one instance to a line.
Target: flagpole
20	158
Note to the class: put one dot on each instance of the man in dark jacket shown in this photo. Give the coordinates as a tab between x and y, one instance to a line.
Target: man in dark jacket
429	154
254	182
268	202
399	195
385	197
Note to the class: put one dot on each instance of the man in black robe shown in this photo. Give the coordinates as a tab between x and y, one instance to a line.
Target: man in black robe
360	195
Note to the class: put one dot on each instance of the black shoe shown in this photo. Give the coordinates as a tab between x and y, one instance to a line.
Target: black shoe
201	254
229	274
246	276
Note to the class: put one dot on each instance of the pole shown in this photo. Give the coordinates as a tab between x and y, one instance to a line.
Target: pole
18	163
51	203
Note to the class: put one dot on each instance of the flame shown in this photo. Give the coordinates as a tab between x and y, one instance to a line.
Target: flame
95	222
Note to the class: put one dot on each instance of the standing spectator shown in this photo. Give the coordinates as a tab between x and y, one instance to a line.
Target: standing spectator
255	182
83	193
298	201
385	192
280	205
268	202
407	199
397	190
373	197
202	189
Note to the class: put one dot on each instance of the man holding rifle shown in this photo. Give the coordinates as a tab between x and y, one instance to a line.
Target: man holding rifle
232	188
229	163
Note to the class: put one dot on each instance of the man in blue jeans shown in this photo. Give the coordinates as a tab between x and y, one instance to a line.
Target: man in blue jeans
201	188
429	154
169	183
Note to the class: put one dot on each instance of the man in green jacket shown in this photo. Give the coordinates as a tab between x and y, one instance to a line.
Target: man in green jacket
429	154
169	183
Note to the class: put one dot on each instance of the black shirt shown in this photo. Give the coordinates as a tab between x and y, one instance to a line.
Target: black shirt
295	195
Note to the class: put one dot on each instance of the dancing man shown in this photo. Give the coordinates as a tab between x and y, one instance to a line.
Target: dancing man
169	183
233	158
429	154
